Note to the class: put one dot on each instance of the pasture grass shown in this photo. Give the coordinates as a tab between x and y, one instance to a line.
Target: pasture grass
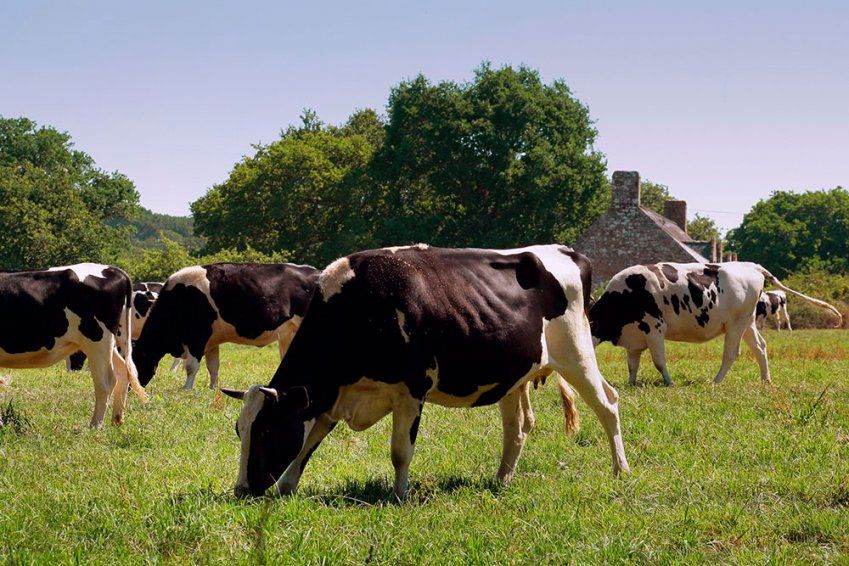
741	473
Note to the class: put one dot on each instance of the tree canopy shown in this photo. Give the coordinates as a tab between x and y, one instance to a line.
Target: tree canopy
702	228
791	231
55	204
502	160
654	195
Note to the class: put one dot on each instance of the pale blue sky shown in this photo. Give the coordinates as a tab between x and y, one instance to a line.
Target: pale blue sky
722	102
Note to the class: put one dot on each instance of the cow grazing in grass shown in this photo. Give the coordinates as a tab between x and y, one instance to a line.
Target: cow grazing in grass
51	313
202	307
772	304
390	329
645	305
144	296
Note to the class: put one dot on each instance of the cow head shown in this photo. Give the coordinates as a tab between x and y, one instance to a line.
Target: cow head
272	430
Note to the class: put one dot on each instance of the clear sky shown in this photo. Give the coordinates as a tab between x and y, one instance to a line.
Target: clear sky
724	102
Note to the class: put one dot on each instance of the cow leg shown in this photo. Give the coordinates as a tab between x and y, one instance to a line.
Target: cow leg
530	420
213	362
777	320
288	482
515	433
786	316
405	428
633	365
103	376
175	364
192	367
657	348
572	356
119	393
730	351
757	345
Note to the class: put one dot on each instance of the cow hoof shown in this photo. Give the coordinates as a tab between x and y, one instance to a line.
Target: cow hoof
118	420
186	388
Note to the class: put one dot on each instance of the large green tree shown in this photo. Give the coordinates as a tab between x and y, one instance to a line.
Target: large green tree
502	160
55	203
304	194
789	231
654	195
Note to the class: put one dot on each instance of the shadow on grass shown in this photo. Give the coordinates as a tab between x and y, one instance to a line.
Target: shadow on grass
375	491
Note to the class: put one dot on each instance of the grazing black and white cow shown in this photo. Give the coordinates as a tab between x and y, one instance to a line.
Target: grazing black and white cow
54	312
772	304
390	329
204	306
144	296
645	305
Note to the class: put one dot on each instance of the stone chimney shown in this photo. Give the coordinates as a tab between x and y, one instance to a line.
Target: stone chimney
626	189
676	211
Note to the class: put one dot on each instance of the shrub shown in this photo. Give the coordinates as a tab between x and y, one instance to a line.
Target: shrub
821	284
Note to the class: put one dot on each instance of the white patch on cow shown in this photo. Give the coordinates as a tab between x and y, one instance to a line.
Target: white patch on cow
193	275
253	401
334	277
83	270
394	249
366	401
402	321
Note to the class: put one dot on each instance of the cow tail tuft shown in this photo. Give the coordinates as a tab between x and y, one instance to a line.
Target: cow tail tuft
572	420
774	280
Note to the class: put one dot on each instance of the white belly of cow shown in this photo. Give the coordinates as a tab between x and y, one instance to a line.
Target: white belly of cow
367	401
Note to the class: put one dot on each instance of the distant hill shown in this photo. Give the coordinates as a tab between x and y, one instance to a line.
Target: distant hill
149	225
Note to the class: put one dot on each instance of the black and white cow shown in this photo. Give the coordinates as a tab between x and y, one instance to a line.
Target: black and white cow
144	296
772	304
645	305
54	312
204	306
393	328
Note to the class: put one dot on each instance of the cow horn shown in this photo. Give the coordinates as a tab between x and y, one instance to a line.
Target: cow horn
234	393
269	392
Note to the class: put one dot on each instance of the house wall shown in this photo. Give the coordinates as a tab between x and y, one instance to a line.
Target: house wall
625	235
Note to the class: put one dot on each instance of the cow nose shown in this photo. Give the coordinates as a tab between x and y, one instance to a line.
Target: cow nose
241	491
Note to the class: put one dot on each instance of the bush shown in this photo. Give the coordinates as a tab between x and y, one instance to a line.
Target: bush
821	284
170	256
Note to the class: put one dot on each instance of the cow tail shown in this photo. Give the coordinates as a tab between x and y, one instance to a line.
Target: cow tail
125	341
774	280
571	418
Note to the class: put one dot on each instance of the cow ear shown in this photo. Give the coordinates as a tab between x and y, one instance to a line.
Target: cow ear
297	398
234	393
270	393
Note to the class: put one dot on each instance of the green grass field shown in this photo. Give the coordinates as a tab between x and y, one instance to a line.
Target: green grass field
739	473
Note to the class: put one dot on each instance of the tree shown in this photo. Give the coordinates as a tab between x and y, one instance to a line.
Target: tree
702	228
789	231
654	195
501	161
303	195
55	204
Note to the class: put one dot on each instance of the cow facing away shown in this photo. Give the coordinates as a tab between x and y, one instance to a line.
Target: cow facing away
144	296
54	312
390	329
202	307
645	305
772	304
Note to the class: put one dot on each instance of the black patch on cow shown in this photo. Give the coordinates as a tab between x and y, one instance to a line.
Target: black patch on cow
645	328
76	361
686	303
669	272
142	301
586	269
676	305
34	303
654	269
257	298
698	283
760	309
616	309
414	429
665	300
703	317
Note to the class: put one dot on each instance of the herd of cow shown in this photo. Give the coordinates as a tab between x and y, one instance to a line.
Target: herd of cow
384	331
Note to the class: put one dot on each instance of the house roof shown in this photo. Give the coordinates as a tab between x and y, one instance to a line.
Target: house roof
675	232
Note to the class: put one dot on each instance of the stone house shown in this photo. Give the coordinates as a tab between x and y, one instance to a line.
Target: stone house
629	233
